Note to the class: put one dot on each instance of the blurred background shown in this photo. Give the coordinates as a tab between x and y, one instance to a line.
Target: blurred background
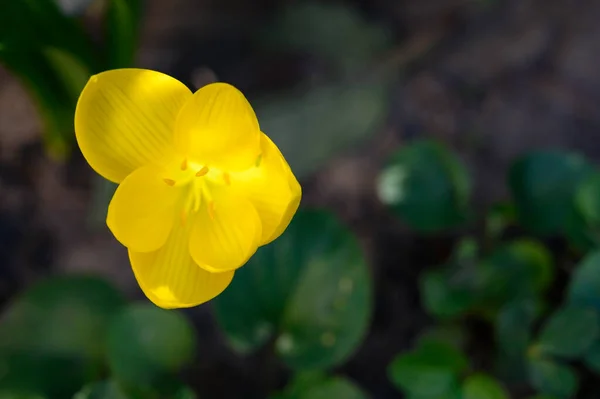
446	243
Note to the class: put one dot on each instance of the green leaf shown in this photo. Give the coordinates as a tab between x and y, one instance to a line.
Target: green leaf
101	390
311	288
52	337
53	101
552	378
319	386
337	33
73	74
519	269
514	324
584	288
592	357
145	343
445	294
569	332
334	388
432	370
481	386
427	186
29	26
123	22
543	185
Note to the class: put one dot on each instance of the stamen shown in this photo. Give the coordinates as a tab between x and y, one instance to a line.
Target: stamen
258	160
170	182
227	178
202	171
184	164
211	209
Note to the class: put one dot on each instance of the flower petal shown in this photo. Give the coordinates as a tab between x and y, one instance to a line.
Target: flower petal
142	210
218	128
272	188
125	119
170	278
226	233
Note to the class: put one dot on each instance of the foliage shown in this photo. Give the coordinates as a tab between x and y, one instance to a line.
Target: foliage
53	56
505	281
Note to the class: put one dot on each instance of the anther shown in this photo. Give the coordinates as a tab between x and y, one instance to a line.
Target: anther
227	178
202	171
184	164
170	182
258	160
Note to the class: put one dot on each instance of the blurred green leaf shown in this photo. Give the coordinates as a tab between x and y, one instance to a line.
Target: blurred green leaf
427	186
122	28
519	269
70	71
52	99
552	378
592	357
569	332
72	312
431	370
337	33
451	334
320	386
29	26
499	217
311	288
543	185
101	390
481	386
584	288
145	343
310	126
514	324
53	335
444	294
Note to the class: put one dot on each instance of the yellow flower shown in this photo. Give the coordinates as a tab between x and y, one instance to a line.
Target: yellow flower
200	186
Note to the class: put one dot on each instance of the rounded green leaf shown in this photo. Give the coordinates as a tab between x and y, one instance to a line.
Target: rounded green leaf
519	269
569	332
432	370
543	185
481	386
552	378
53	336
444	294
584	288
145	342
427	186
311	288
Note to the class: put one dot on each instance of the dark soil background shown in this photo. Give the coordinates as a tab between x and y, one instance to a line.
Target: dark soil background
491	78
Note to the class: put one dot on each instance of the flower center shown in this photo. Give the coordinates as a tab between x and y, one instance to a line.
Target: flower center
196	180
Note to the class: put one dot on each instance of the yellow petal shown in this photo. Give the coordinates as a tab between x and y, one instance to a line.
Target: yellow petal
125	119
217	127
170	278
142	210
272	188
226	233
